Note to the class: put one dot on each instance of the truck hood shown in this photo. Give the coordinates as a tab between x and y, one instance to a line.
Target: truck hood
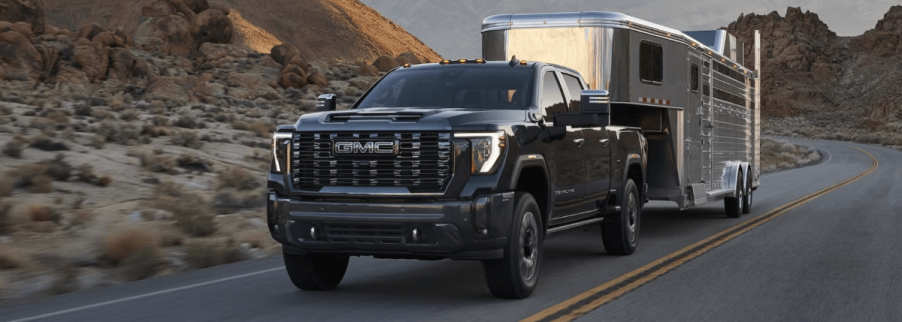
410	119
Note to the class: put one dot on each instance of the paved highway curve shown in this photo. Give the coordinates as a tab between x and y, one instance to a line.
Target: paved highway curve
833	258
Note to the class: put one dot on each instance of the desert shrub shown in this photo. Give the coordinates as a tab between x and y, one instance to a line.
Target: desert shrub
58	117
119	246
41	123
82	217
189	122
187	138
193	162
82	110
143	263
85	173
102	114
6	187
9	258
262	128
203	255
64	281
129	115
44	143
160	121
781	155
39	213
104	181
240	125
230	200
58	168
237	178
14	147
158	163
5	220
33	177
191	212
97	141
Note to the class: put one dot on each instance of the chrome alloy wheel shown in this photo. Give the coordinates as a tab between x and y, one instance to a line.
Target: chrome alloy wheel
529	243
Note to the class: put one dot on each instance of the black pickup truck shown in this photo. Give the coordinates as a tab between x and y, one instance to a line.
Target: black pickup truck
467	160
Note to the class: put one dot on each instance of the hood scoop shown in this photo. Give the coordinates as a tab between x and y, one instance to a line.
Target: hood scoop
393	117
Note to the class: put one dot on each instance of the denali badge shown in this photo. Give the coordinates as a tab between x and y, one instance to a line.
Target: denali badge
365	147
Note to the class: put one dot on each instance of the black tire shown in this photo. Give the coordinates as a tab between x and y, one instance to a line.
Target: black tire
623	237
316	272
516	275
733	206
749	193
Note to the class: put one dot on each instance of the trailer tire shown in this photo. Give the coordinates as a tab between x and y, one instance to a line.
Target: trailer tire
621	238
733	205
516	275
747	200
316	272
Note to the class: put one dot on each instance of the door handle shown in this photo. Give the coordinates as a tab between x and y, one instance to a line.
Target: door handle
579	141
604	142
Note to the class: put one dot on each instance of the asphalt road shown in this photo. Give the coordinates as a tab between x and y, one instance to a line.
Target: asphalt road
834	258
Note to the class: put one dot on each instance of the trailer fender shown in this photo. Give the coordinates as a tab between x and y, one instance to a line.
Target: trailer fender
731	175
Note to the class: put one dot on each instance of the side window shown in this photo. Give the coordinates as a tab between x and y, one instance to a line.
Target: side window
574	86
552	97
651	63
693	82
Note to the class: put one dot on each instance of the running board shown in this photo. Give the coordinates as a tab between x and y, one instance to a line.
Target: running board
575	225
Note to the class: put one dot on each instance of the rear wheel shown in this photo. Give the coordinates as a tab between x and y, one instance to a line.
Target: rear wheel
747	200
623	237
316	272
733	205
516	275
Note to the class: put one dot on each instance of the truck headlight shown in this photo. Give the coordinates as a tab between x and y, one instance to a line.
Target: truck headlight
280	149
487	149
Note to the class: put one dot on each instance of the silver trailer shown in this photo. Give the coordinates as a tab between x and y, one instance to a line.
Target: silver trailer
691	93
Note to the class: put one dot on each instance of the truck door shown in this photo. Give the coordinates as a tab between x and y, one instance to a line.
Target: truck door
563	155
597	150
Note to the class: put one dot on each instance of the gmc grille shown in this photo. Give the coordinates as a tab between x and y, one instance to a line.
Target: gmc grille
422	162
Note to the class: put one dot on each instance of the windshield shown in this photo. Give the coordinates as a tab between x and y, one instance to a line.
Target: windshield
453	86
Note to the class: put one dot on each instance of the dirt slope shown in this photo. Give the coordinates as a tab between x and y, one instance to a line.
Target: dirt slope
322	29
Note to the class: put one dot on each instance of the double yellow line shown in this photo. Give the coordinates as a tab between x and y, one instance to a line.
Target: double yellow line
587	301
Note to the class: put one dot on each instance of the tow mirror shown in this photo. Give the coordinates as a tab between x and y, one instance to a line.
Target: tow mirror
595	106
326	102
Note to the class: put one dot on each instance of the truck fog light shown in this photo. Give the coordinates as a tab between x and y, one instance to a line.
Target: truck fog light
481	215
313	233
415	234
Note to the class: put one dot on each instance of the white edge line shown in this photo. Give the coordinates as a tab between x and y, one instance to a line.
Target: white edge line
131	298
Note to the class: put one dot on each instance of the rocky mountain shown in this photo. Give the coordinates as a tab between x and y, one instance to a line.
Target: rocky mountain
816	83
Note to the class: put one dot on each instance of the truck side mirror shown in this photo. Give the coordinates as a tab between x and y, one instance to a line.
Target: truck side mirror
595	108
326	102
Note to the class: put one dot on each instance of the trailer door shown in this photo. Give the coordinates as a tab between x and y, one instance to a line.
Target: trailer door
707	124
694	165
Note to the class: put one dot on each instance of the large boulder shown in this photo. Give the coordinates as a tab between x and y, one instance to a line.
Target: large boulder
171	87
23	62
109	39
158	8
212	26
30	11
298	60
408	58
24	28
197	6
122	61
7	26
169	35
93	58
251	82
50	56
90	30
293	76
281	53
317	78
368	70
385	63
71	76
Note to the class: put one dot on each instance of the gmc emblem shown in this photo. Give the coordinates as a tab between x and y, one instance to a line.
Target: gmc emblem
370	147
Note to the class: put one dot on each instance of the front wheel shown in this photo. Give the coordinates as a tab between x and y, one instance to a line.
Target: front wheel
316	272
516	275
622	238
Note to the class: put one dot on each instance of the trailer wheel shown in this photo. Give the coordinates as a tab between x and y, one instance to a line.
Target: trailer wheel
747	200
316	272
516	275
623	237
733	206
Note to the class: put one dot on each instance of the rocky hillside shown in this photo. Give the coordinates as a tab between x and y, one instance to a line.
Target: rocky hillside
817	84
321	29
129	151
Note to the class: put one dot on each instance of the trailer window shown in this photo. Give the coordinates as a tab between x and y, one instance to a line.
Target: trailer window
693	83
552	97
651	63
574	86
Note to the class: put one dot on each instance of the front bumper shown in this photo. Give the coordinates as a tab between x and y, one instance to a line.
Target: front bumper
432	229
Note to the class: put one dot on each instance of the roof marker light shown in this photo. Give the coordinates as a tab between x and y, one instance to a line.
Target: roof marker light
406	65
480	61
462	61
523	62
445	62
